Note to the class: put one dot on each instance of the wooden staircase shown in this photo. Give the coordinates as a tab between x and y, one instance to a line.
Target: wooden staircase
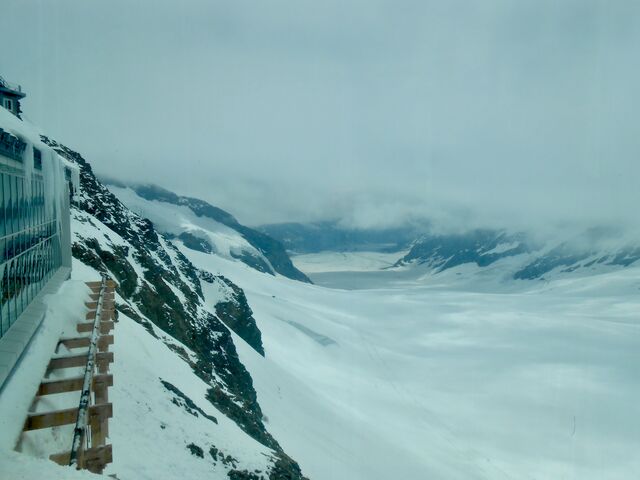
89	449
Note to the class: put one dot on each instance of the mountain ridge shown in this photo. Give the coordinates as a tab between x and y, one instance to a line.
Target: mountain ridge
269	256
426	247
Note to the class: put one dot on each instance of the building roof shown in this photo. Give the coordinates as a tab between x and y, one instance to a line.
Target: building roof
11	89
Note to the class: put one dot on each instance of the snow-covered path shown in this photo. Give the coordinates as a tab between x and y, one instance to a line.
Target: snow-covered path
440	379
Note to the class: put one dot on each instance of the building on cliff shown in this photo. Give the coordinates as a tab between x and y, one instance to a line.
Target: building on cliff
35	238
10	96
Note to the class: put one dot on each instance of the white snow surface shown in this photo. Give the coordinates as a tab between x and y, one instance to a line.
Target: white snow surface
149	433
459	375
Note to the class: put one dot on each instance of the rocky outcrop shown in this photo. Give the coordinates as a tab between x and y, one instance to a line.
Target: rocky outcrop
482	247
235	312
160	287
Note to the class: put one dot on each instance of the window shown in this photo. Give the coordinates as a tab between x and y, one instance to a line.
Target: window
37	159
28	244
8	104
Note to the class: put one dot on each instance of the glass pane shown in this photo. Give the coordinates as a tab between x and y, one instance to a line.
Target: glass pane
2	219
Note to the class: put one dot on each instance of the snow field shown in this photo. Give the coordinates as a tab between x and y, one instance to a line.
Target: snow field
345	261
449	377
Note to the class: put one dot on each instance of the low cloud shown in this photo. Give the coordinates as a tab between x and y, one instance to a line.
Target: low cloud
494	113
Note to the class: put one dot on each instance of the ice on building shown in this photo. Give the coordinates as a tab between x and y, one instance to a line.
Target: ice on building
35	238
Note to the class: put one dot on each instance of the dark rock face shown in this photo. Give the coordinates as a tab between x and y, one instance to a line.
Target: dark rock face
561	256
274	252
479	247
161	288
236	313
244	475
272	249
285	469
253	261
195	450
181	400
484	247
573	259
195	243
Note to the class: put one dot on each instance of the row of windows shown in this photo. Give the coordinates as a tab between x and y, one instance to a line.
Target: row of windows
13	147
30	250
24	276
13	245
22	205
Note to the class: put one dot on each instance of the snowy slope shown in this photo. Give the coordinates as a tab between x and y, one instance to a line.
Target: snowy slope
179	359
446	378
157	399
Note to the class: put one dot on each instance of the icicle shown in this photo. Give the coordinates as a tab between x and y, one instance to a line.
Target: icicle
54	184
27	161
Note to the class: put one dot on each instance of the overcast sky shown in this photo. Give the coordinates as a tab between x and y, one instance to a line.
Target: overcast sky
490	112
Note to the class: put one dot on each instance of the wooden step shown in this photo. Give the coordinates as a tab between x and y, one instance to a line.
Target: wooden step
94	459
83	342
56	418
49	387
105	327
70	361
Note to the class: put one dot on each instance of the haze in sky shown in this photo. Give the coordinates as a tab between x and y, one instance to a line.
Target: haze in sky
489	112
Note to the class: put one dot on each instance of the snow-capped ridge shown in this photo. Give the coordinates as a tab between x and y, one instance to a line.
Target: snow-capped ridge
204	227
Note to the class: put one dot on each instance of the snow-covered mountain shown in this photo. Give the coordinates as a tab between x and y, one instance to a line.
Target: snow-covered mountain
531	259
162	291
206	228
449	375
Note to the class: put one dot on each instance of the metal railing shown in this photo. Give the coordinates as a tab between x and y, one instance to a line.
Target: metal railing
80	431
10	86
